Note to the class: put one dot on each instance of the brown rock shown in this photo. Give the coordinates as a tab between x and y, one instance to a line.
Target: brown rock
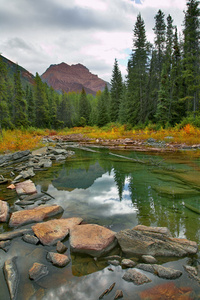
25	187
54	230
37	214
118	294
162	230
92	239
38	271
59	260
128	263
60	247
4	211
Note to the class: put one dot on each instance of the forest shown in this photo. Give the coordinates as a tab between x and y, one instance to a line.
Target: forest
161	89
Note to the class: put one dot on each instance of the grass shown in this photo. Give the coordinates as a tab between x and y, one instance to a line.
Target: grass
15	140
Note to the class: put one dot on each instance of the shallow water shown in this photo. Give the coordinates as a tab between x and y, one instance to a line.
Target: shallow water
119	193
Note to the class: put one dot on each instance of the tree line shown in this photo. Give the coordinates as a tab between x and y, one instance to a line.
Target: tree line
162	85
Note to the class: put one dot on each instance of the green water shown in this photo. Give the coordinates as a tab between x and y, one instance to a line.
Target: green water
119	193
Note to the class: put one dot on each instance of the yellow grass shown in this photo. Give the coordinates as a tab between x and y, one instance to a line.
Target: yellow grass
15	140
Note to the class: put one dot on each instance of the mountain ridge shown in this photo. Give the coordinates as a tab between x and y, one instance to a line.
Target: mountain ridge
68	78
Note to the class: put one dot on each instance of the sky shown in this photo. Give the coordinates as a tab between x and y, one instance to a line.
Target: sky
38	33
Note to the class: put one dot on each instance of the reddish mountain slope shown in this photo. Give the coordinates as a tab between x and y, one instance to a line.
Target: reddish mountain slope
72	78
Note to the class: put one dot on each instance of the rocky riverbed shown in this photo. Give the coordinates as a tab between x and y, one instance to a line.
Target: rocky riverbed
140	250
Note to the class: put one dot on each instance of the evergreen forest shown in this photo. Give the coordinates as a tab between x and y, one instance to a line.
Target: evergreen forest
162	85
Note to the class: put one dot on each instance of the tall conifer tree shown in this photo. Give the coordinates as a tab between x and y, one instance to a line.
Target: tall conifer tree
116	92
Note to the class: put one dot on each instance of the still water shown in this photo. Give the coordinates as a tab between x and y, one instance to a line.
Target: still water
118	190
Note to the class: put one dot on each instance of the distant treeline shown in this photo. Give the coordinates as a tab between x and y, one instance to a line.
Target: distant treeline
162	85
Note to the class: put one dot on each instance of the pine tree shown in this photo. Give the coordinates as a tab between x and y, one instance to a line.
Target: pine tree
192	55
5	120
41	104
160	30
116	92
138	75
19	103
31	106
84	109
103	105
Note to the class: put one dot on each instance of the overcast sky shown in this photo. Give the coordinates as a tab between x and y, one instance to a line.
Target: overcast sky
37	33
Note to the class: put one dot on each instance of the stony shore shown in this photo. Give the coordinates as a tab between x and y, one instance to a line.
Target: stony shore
47	227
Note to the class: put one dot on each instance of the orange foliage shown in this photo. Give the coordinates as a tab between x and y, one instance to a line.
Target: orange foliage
17	140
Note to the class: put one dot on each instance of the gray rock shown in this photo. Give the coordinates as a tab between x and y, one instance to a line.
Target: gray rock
149	259
138	242
113	262
136	277
28	173
60	157
11	276
160	271
193	273
45	163
128	263
13	234
31	239
38	271
5	245
58	151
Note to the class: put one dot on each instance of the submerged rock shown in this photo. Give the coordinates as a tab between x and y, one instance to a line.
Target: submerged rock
160	271
59	260
14	234
38	271
60	247
4	211
136	277
50	232
37	214
11	276
92	239
147	242
193	273
5	245
31	239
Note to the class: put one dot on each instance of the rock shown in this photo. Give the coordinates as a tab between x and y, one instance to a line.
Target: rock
27	174
118	294
11	276
25	187
193	273
107	291
54	230
13	234
113	262
162	230
45	163
60	247
149	259
5	245
136	277
59	260
31	239
155	243
38	271
160	271
128	263
11	186
37	214
92	239
4	211
58	151
14	157
60	157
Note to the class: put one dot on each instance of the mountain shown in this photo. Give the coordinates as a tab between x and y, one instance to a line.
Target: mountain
26	77
73	78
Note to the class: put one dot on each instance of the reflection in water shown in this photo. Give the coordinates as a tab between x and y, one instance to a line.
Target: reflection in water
118	194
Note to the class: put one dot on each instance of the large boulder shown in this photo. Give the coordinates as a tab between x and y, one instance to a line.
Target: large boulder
92	239
148	241
4	211
37	214
50	232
